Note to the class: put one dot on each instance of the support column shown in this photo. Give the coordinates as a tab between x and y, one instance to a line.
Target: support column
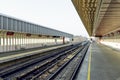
15	39
7	43
63	40
4	42
0	41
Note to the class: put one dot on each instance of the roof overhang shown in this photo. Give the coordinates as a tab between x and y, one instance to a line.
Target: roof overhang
99	16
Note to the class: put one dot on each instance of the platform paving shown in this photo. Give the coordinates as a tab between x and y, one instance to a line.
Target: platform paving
4	57
3	54
104	64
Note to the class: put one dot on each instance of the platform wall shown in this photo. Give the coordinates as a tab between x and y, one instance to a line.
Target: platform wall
112	40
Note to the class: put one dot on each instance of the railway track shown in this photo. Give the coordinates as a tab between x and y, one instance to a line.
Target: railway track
28	58
42	68
68	71
36	73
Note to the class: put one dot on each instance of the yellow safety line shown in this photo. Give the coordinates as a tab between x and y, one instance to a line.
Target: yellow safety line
89	65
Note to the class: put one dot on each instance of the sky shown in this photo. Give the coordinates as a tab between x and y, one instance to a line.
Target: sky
56	14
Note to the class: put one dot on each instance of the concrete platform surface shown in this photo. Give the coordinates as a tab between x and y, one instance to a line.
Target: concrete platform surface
9	57
101	63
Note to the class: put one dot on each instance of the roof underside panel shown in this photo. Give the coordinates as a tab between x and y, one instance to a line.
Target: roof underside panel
100	17
86	10
110	17
16	25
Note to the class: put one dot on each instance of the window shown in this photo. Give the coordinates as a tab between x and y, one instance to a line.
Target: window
9	24
29	28
22	26
19	25
26	27
5	23
14	24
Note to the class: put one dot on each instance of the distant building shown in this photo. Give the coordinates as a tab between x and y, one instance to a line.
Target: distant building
79	39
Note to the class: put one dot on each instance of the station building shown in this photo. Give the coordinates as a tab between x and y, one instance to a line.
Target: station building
16	34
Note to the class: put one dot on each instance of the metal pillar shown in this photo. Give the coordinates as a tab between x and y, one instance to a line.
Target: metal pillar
63	40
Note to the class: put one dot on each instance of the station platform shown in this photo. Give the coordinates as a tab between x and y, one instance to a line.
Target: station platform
3	54
101	63
8	56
